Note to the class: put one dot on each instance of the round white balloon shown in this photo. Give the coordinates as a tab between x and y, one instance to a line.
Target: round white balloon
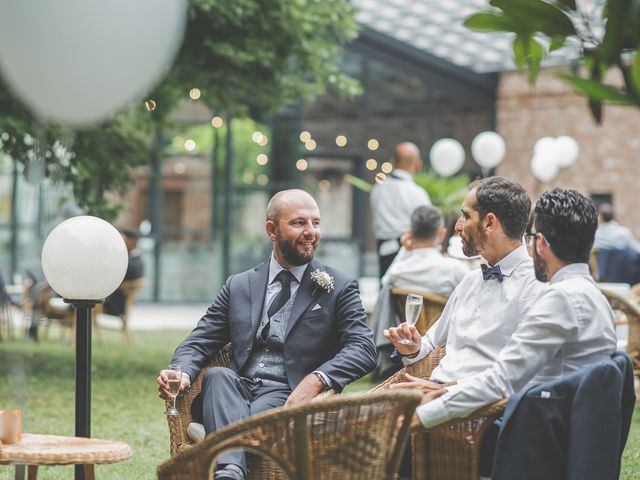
84	258
78	62
446	156
488	149
544	167
567	151
545	145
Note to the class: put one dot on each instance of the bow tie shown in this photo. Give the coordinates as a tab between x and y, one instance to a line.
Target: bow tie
491	272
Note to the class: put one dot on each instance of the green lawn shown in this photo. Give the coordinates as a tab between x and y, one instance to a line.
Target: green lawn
39	380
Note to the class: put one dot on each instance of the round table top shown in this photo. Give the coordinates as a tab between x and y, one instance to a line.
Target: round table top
35	449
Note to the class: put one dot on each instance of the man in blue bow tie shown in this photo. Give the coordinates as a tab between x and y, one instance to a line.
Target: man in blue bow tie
484	310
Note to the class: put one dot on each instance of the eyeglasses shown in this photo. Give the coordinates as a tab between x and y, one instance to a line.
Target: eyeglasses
530	239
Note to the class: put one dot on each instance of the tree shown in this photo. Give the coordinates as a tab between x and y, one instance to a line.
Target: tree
541	27
247	57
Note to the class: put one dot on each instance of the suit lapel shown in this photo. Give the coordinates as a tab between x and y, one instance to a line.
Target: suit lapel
257	290
303	298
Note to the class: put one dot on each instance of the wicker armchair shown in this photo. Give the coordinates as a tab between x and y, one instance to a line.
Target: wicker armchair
626	312
432	306
449	451
260	467
345	437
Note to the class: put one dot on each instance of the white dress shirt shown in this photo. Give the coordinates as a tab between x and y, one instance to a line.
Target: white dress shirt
393	202
425	269
569	327
480	318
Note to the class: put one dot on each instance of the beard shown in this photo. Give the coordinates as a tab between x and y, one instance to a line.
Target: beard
474	243
539	267
290	252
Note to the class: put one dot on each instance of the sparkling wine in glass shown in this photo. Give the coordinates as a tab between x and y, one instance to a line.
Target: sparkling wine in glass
411	313
174	374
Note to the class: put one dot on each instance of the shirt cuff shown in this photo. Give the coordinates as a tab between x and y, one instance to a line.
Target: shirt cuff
327	381
421	354
435	412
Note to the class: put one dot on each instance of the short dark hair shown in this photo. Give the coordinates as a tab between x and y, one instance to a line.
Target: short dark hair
507	200
605	210
426	221
568	220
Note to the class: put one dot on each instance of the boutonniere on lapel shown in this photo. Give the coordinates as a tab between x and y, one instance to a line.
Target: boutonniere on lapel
323	280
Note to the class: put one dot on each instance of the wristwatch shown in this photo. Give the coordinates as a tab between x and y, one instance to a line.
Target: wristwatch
322	380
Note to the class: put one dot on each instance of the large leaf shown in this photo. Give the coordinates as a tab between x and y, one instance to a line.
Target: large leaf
490	22
538	15
635	73
527	49
612	42
597	91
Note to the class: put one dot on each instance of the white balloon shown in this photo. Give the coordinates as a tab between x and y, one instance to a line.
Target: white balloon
567	151
84	258
446	156
488	149
544	167
545	145
78	62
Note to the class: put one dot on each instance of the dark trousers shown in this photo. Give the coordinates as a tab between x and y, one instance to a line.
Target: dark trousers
384	261
228	398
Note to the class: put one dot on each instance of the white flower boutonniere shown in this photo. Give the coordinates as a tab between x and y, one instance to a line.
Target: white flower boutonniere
323	280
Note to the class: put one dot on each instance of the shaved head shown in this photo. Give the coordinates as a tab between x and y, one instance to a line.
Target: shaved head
406	156
284	198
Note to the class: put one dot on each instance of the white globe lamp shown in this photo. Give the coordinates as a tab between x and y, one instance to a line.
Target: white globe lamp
446	156
84	259
544	167
78	62
567	151
488	149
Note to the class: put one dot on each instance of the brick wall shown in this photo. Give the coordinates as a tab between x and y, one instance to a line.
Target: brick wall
609	160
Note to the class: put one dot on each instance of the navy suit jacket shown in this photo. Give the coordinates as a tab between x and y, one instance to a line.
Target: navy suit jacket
573	428
326	331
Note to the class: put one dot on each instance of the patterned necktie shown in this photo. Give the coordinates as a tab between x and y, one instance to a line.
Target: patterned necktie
491	272
284	277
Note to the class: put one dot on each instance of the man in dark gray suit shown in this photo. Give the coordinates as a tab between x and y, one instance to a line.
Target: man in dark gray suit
296	327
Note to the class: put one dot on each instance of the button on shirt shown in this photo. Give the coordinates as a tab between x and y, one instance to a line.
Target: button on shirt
569	326
393	202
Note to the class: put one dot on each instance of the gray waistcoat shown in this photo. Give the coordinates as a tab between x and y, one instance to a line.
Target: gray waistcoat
266	361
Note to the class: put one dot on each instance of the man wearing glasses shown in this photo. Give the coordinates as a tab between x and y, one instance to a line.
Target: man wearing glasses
569	326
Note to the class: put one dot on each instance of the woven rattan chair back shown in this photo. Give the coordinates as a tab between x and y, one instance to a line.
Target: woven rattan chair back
627	312
341	437
432	306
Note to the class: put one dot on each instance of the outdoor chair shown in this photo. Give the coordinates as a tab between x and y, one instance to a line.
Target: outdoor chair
625	312
341	437
432	306
450	451
130	288
261	468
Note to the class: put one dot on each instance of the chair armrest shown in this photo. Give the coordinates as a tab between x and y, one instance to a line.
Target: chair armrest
422	369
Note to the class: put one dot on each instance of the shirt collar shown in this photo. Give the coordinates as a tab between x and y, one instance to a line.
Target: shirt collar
402	174
571	270
275	268
509	263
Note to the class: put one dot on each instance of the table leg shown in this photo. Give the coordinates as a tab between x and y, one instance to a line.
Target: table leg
19	472
33	472
88	472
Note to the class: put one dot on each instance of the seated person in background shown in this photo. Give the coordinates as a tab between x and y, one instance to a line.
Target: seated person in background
484	310
610	235
569	326
114	304
418	266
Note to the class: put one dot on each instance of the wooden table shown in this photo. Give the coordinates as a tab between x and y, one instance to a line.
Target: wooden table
35	450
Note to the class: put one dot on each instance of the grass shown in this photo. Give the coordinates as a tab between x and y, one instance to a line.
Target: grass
39	380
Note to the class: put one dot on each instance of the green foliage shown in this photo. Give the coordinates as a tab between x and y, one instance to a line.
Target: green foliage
446	193
562	22
248	57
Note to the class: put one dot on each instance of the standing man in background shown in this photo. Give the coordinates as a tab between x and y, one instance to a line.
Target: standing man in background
394	200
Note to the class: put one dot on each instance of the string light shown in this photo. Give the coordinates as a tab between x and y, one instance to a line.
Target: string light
257	137
310	144
386	167
190	145
373	144
262	179
324	185
262	159
179	168
380	177
372	164
341	140
302	164
305	136
195	93
150	104
216	122
263	141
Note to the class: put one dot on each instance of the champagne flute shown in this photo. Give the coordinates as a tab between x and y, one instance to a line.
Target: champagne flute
174	374
411	313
